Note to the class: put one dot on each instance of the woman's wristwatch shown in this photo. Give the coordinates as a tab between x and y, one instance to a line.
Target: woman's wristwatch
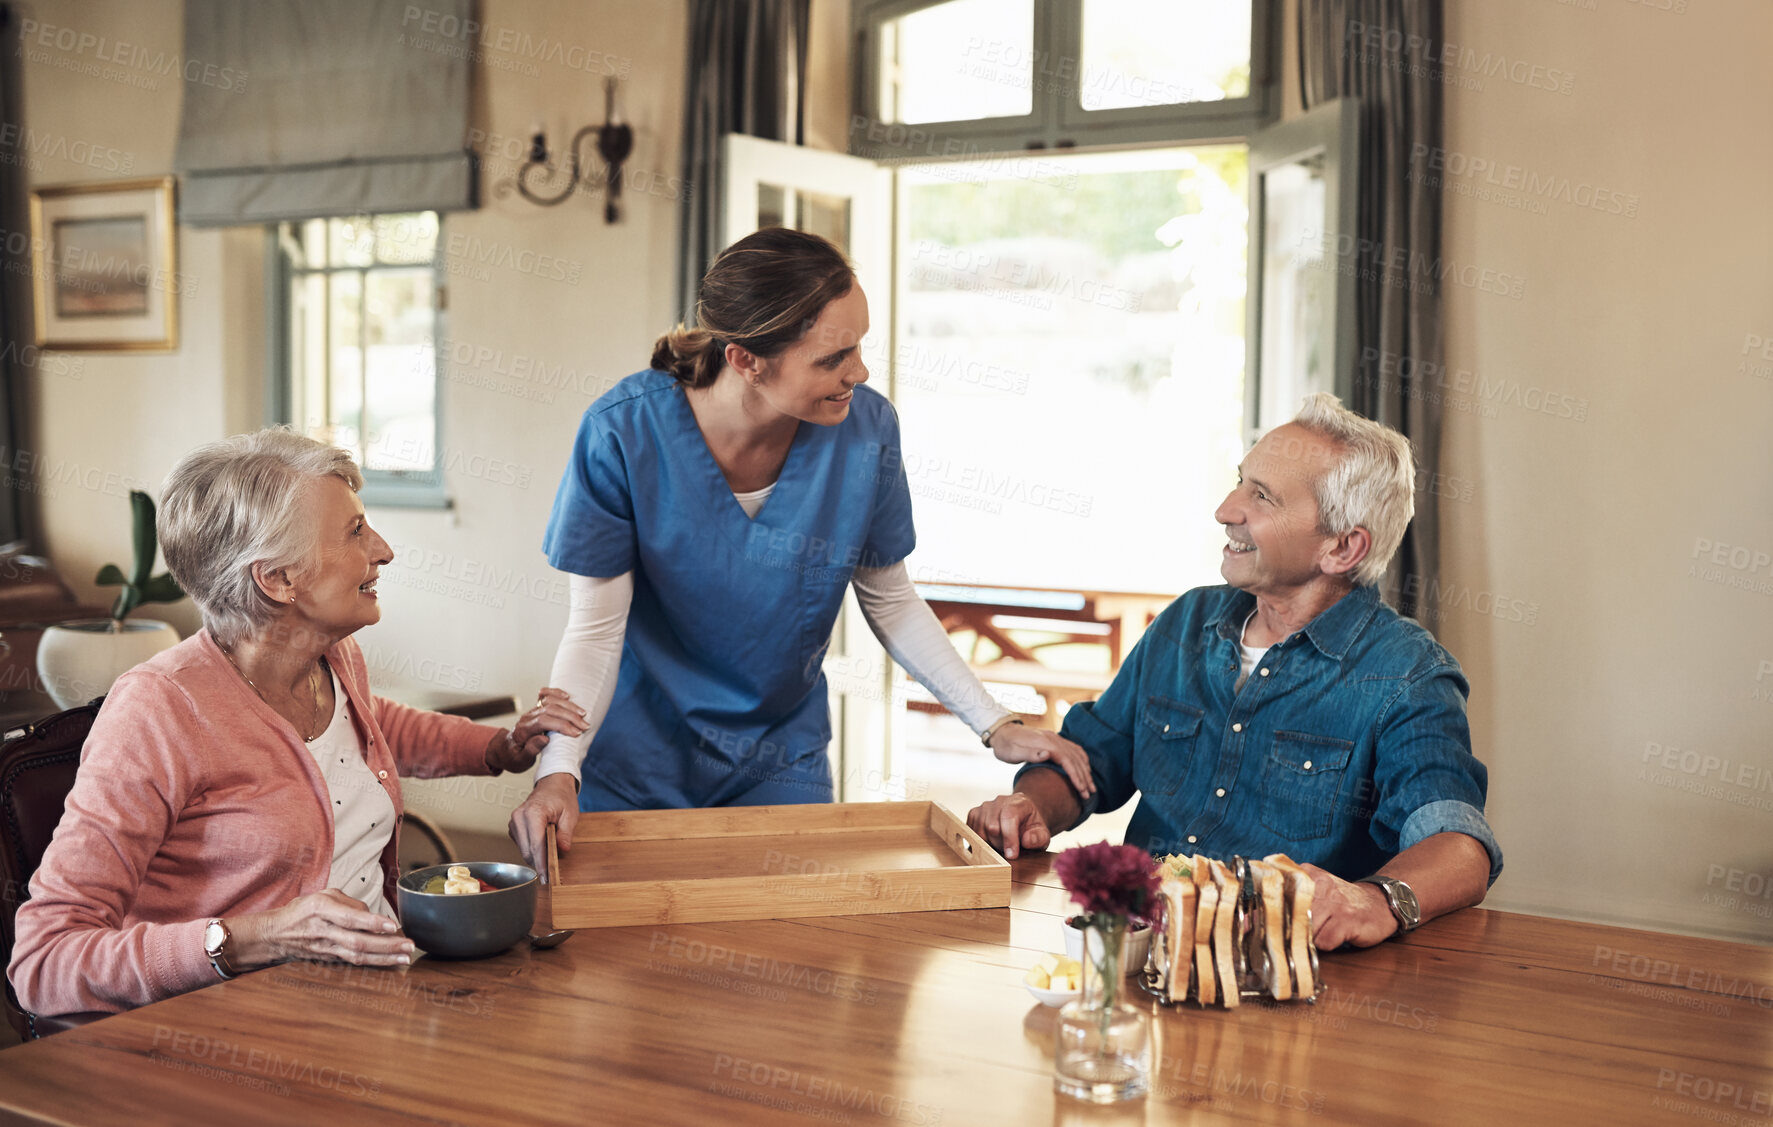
1012	718
215	944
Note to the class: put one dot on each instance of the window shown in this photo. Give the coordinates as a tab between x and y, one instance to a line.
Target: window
1135	53
935	65
941	79
357	325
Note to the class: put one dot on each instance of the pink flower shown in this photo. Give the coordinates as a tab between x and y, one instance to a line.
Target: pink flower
1109	880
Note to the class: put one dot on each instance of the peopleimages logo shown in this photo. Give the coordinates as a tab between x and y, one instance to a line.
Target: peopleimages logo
1374	260
1419	54
35	38
1515	178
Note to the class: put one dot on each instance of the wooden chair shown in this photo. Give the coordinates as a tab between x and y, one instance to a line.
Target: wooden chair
423	843
37	769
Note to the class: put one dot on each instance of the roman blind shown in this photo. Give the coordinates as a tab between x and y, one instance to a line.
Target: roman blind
299	109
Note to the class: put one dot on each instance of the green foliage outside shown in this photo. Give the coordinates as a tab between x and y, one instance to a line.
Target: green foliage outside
1114	213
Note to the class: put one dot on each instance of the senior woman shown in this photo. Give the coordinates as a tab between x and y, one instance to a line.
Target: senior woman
238	801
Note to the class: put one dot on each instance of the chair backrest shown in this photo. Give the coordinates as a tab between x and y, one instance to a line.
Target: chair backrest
36	773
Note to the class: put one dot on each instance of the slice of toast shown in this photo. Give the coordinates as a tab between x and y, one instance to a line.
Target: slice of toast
1274	939
1182	958
1207	991
1201	871
1224	940
1300	891
1176	941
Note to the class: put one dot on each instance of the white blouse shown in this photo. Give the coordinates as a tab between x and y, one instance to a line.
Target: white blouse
362	812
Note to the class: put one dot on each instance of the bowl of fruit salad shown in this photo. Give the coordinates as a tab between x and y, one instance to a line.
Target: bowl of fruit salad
467	910
1054	980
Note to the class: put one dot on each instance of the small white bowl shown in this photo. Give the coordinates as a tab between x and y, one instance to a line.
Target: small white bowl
1051	997
1134	947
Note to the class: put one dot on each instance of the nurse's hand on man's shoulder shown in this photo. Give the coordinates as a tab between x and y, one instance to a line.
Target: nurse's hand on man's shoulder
1011	823
555	800
1016	743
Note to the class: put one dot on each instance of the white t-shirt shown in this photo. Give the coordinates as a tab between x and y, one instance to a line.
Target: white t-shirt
753	501
362	812
1247	656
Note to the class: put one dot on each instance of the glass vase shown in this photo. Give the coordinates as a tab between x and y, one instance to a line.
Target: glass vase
1102	1047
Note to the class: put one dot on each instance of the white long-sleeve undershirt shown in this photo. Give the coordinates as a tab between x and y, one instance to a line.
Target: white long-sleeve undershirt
590	654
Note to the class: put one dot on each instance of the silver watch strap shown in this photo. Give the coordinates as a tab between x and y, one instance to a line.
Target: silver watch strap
1385	885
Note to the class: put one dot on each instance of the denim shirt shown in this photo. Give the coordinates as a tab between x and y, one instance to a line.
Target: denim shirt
1347	744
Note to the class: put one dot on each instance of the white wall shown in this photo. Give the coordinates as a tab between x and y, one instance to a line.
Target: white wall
1595	524
470	589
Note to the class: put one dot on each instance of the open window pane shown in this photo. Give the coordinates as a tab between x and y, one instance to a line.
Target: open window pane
959	61
345	387
308	352
1163	52
1296	290
353	241
402	377
1304	190
825	216
313	244
405	240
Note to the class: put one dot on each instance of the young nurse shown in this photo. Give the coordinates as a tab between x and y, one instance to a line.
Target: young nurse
714	511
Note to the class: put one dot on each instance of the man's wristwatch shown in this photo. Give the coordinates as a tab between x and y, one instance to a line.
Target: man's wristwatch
1400	899
215	944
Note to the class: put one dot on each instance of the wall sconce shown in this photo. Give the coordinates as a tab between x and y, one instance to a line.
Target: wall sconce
615	141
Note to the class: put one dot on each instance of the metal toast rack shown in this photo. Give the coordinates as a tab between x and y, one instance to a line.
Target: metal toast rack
1174	976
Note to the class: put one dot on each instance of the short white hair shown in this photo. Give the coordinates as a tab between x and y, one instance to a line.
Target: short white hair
239	502
1370	485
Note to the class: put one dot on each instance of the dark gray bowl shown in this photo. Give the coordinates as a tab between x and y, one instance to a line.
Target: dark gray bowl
469	927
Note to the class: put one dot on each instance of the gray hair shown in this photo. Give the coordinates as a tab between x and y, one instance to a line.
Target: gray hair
235	503
1371	485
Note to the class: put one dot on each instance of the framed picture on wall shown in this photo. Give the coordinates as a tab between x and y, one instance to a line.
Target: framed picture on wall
104	266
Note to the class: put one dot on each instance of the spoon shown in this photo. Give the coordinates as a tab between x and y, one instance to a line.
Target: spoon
549	939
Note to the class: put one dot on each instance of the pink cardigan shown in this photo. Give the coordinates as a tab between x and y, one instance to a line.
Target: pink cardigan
194	799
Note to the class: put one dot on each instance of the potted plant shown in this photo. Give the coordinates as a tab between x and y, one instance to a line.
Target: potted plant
79	660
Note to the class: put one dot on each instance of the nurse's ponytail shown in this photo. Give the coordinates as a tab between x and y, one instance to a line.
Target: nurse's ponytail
692	355
762	293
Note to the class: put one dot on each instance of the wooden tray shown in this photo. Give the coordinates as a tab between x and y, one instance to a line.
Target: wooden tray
771	862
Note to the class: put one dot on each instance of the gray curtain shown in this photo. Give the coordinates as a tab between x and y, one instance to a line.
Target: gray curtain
311	108
18	350
1383	52
747	67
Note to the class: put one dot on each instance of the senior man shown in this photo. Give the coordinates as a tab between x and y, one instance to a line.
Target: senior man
1292	711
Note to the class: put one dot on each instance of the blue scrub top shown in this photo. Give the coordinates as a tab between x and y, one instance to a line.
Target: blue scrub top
720	691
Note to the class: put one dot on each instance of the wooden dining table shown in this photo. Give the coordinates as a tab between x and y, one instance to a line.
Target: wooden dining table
1482	1017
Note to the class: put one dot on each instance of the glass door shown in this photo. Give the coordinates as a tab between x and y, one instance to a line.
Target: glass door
1303	195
